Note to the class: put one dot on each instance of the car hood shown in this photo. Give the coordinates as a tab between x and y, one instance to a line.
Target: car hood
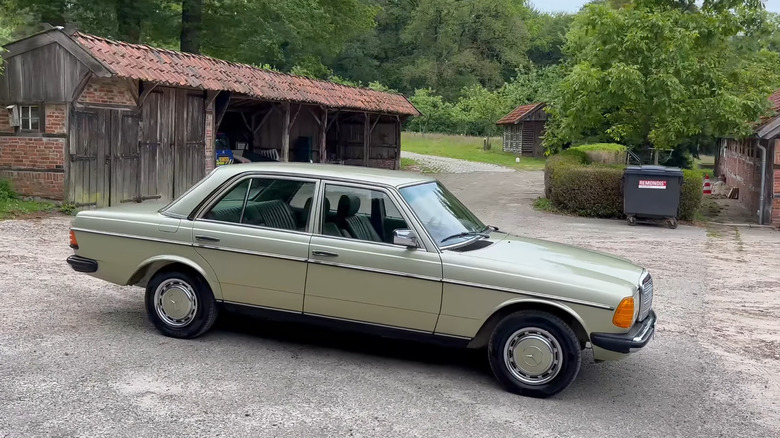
542	266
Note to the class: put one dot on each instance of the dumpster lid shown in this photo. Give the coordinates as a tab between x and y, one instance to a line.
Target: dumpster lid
653	170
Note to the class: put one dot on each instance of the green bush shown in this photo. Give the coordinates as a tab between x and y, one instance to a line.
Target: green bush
690	199
588	190
567	158
6	191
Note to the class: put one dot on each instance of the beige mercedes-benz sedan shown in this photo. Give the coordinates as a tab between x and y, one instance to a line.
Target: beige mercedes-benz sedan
378	251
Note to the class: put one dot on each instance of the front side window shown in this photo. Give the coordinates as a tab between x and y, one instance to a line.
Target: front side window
30	118
266	202
447	220
359	213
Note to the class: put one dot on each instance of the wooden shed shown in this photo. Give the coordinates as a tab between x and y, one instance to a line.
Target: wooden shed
524	128
96	122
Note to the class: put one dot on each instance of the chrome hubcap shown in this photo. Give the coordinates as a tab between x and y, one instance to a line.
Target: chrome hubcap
533	356
175	302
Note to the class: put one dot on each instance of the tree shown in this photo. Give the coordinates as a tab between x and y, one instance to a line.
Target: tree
191	23
657	73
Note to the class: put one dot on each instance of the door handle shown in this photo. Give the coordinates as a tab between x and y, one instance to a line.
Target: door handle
324	253
206	238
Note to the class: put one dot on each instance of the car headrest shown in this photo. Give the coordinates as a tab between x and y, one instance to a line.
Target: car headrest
348	206
326	206
307	207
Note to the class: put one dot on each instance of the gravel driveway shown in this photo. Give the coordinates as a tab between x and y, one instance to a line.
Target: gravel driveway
79	358
436	164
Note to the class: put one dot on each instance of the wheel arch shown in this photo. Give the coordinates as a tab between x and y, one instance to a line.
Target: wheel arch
567	314
151	266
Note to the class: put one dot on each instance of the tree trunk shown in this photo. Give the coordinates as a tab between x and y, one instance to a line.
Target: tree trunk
191	24
128	17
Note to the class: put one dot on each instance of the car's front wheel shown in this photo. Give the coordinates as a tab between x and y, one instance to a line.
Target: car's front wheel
180	305
534	353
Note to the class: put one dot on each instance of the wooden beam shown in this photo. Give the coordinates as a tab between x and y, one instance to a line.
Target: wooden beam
286	133
335	117
81	86
374	125
221	104
145	92
316	117
324	136
295	116
263	120
211	96
248	127
133	88
366	138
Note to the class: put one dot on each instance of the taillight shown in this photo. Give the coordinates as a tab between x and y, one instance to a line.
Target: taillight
73	242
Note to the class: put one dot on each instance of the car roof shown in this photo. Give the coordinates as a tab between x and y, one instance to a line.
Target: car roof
185	204
335	171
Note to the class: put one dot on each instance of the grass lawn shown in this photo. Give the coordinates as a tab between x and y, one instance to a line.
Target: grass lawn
12	208
466	148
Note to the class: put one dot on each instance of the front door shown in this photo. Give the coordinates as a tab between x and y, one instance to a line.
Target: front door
356	273
255	236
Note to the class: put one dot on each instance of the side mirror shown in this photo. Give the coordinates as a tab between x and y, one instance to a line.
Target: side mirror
405	238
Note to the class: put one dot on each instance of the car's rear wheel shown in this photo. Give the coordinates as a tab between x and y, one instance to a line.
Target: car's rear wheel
534	353
180	305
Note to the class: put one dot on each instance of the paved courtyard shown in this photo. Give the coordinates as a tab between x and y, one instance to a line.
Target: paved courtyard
79	358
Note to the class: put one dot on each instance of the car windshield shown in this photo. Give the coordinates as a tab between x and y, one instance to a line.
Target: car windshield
447	220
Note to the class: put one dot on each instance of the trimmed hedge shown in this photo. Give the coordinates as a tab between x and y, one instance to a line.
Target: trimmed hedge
588	190
690	199
596	190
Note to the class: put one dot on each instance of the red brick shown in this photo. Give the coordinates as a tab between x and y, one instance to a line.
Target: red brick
109	91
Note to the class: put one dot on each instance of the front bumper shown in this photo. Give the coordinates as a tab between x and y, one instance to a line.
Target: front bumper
82	264
636	338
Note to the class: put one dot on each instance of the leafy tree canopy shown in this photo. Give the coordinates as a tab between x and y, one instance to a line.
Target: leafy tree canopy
655	72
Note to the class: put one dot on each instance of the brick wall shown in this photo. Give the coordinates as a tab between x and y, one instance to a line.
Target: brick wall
46	185
5	122
210	158
114	91
34	165
56	119
740	163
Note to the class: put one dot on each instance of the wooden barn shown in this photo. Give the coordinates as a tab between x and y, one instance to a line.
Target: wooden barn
96	122
524	128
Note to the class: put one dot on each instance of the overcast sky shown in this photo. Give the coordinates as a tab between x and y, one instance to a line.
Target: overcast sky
575	5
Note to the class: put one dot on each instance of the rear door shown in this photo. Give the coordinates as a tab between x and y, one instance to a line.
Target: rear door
255	235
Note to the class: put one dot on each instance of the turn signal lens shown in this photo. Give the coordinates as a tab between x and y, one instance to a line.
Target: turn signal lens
73	243
624	314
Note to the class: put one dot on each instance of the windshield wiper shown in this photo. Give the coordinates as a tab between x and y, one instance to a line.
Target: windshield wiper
465	234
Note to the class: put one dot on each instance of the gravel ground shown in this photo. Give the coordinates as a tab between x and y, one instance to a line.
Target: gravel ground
436	164
79	358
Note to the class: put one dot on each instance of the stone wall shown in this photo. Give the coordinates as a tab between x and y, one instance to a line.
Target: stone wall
111	91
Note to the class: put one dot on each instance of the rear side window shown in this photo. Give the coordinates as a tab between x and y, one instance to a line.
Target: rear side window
266	202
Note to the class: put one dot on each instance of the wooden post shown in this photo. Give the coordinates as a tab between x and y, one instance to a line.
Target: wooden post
286	133
323	136
366	139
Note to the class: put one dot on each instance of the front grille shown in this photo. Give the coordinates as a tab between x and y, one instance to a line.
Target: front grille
646	297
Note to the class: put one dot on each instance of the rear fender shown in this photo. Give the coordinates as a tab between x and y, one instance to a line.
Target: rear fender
146	269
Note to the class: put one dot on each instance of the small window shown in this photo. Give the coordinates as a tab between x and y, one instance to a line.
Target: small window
362	214
30	118
266	202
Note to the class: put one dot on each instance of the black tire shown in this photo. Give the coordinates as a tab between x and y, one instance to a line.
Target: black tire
631	220
671	222
540	325
199	317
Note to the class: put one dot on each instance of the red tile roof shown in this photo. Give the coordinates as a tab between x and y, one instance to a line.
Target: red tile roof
518	114
173	68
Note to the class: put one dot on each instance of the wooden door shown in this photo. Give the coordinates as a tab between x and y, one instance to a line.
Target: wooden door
125	157
189	145
156	145
90	158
